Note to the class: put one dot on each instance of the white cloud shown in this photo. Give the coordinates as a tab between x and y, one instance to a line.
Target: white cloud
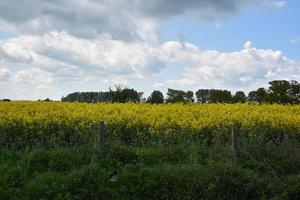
59	52
242	69
57	59
126	20
65	45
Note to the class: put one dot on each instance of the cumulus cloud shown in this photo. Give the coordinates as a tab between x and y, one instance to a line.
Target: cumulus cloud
244	69
56	58
62	45
47	61
58	51
125	20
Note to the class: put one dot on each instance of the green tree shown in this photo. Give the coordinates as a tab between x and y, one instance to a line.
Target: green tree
219	96
175	96
279	91
239	97
190	96
252	96
156	97
202	95
261	95
294	91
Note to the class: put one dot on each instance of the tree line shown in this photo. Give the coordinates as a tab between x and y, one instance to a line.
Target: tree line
279	91
120	95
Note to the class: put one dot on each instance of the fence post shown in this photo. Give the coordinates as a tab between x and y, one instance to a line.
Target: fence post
233	143
101	141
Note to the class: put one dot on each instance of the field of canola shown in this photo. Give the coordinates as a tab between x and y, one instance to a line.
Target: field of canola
168	151
62	124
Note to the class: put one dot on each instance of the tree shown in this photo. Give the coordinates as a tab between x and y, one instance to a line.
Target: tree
202	95
239	97
219	96
156	97
261	95
252	96
120	95
279	91
175	96
190	96
131	95
294	91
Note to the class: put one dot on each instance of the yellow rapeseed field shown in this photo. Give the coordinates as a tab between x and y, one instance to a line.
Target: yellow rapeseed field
21	120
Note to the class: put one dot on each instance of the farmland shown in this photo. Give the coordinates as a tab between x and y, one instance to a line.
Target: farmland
152	151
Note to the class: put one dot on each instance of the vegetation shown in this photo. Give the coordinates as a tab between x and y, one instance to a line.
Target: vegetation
156	97
120	95
280	91
64	124
153	151
178	171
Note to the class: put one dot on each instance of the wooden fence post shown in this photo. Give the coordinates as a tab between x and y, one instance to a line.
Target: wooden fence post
99	142
233	143
101	138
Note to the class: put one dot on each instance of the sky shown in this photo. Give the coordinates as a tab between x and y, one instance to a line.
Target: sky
49	48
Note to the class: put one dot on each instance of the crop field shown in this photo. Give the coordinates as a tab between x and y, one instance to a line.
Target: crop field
28	123
167	151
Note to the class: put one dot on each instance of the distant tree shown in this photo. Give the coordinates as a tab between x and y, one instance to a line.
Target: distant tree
7	100
261	95
279	92
219	96
156	97
125	95
252	96
117	94
175	96
202	95
120	95
190	96
239	97
131	95
294	91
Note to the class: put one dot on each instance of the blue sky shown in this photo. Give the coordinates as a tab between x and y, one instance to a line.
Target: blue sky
266	27
52	48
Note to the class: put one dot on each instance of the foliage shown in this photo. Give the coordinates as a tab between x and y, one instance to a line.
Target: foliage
239	97
182	171
120	95
156	97
219	96
279	91
202	95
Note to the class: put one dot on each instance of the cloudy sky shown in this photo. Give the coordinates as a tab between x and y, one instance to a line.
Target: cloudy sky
49	48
